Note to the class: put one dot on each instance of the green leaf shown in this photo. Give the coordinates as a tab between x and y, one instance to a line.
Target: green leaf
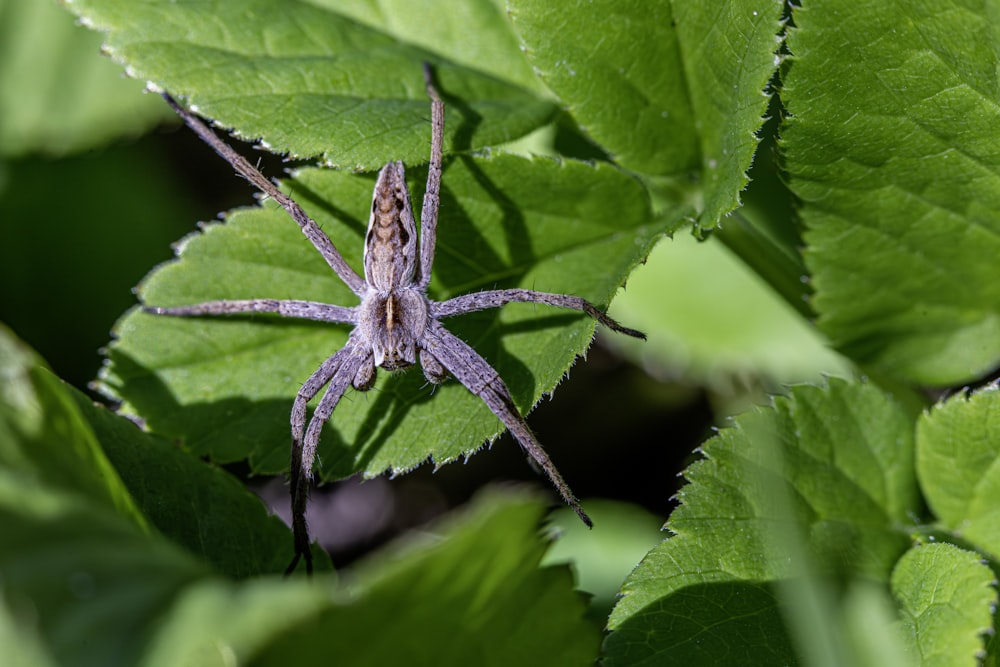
665	88
99	585
196	505
747	332
74	551
469	592
868	625
473	33
218	622
946	598
45	441
830	467
85	584
225	386
55	95
54	435
958	463
307	80
604	555
891	144
20	641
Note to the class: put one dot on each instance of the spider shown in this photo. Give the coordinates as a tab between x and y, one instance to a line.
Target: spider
396	324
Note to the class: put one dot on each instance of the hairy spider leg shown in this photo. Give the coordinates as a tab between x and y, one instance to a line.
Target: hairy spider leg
468	303
432	198
336	373
320	241
476	374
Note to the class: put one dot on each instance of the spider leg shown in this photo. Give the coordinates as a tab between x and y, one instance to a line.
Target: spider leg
320	241
468	303
429	209
305	310
339	372
482	380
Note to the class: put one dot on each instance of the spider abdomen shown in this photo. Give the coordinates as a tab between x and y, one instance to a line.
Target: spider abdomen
391	241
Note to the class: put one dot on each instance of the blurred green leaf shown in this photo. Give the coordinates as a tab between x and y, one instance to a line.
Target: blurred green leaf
721	327
666	88
468	592
602	556
98	586
308	80
225	386
946	597
958	462
56	95
221	623
832	467
19	640
869	619
74	552
84	582
196	505
891	144
46	442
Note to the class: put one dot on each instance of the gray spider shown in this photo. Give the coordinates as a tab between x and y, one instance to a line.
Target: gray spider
395	324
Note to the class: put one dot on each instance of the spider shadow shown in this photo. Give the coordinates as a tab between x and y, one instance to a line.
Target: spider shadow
466	260
303	194
455	228
471	119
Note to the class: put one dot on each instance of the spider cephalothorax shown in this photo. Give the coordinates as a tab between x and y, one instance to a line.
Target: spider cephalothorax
396	325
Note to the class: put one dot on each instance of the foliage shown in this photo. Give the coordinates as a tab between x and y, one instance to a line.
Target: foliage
847	521
896	167
87	556
55	96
